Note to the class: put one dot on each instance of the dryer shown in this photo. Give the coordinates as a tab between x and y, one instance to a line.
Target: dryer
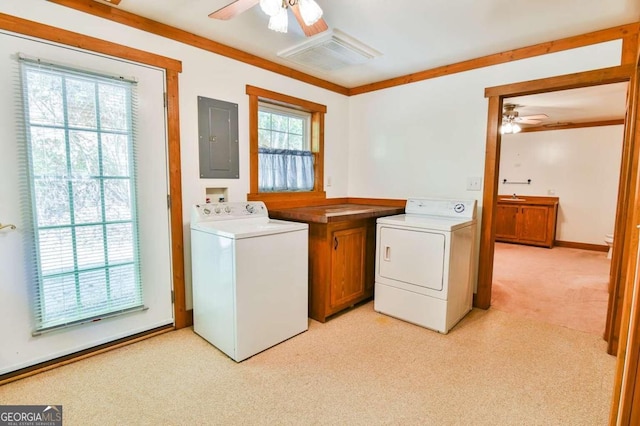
424	262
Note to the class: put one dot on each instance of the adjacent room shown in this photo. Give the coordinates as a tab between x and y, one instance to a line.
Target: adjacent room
316	212
553	260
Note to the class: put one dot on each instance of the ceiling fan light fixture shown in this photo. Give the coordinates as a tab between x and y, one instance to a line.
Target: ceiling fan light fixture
515	128
310	11
280	21
271	7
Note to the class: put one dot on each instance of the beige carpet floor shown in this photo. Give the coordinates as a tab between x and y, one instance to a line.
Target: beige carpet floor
563	286
361	368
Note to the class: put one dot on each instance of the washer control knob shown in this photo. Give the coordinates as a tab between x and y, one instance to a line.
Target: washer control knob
206	211
217	210
251	208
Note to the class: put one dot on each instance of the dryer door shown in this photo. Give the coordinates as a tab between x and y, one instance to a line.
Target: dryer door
413	256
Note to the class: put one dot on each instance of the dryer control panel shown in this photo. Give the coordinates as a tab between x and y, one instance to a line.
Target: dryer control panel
441	207
227	211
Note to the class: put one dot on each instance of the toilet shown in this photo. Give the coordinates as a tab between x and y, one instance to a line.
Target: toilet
609	240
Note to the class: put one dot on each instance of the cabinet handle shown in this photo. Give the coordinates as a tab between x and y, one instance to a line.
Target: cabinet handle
335	243
387	253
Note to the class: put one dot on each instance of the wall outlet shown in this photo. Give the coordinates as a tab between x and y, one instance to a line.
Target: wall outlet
551	192
474	183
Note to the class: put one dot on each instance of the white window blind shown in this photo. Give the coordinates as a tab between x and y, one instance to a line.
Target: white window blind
79	130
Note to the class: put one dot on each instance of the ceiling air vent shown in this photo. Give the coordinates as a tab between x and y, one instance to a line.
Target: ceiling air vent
330	52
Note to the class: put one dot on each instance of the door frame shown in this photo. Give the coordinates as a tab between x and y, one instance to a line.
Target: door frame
496	95
182	317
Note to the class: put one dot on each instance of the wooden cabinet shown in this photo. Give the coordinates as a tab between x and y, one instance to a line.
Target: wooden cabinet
348	260
342	250
527	220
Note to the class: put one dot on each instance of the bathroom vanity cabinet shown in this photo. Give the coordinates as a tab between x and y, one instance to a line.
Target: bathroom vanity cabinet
342	246
527	220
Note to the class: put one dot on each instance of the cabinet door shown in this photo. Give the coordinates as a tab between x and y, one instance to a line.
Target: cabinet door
347	266
507	222
533	224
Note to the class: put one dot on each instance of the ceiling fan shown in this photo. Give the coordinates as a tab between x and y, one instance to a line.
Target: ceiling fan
307	13
511	120
510	113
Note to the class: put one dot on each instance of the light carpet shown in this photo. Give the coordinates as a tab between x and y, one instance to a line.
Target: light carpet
361	368
563	286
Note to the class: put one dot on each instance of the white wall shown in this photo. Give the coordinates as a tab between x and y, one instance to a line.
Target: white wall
426	138
580	166
422	139
212	76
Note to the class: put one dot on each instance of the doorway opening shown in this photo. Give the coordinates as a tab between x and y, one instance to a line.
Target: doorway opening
550	261
496	97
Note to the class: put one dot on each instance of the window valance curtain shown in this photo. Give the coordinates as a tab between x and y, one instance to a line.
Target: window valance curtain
285	170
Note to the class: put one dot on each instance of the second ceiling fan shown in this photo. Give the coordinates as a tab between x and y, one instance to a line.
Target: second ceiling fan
307	13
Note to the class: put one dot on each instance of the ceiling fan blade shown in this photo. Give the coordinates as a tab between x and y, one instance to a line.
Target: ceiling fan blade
233	9
523	120
535	116
309	30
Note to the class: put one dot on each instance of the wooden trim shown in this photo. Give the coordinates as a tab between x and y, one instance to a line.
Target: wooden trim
482	298
126	18
563	82
492	157
175	191
56	35
568	126
629	49
113	2
595	37
253	144
317	111
68	359
582	246
285	100
626	389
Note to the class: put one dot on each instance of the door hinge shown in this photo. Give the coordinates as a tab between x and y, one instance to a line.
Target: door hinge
173	297
168	201
166	101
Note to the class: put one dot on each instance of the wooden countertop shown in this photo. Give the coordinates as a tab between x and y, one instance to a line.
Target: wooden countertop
334	212
528	199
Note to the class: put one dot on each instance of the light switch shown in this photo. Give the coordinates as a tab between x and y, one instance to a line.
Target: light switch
474	183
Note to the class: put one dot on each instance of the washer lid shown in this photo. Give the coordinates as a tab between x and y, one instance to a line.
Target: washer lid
437	223
246	228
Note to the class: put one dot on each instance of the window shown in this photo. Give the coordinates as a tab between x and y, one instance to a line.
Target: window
286	139
285	160
79	133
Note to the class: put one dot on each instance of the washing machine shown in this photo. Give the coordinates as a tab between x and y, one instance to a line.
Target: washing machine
424	262
249	277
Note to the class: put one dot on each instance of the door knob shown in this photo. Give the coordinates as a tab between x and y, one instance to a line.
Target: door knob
7	226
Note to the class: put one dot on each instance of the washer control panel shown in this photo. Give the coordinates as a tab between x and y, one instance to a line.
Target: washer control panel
441	207
226	211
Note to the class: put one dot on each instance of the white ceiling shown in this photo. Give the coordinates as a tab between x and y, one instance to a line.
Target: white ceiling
415	35
412	35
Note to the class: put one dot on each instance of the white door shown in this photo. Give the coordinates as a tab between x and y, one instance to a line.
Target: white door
20	348
411	257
